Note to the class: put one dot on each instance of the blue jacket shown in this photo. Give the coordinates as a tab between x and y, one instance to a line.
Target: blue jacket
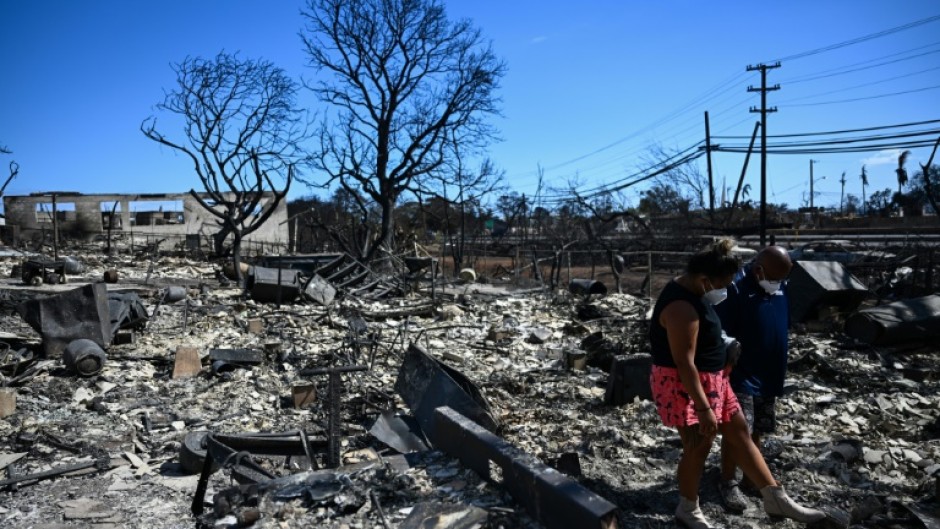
760	322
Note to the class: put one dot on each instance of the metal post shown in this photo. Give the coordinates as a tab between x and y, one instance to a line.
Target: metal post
55	229
708	156
333	454
568	260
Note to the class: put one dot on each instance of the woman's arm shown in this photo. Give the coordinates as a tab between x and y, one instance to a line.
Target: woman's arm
681	323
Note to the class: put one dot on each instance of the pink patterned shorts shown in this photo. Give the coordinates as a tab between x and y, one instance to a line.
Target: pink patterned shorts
677	409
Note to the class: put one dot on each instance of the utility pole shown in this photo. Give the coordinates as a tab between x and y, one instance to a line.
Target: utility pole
708	156
811	210
55	230
842	198
763	138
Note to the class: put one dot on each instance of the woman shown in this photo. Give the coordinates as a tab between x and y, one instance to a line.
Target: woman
691	387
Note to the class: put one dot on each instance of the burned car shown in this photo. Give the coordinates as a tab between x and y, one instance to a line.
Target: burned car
841	251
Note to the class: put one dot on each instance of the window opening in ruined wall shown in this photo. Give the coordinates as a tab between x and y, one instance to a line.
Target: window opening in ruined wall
65	211
111	210
156	212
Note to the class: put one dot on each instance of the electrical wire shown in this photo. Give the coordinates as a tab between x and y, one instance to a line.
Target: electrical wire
850	68
857	40
852	100
831	132
723	88
863	85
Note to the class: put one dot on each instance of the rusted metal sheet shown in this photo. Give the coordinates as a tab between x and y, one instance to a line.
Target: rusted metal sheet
552	498
426	383
399	432
822	283
269	285
319	290
901	321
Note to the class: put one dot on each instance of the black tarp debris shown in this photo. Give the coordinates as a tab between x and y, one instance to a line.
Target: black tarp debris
813	284
79	313
898	322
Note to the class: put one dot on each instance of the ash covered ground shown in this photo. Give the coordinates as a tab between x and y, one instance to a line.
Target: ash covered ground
859	426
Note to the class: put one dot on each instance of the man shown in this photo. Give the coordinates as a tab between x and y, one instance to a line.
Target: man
756	313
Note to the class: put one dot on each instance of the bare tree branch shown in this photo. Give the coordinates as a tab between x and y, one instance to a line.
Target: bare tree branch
241	125
402	80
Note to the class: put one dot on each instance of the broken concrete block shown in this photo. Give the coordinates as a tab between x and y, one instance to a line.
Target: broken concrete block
575	359
629	378
187	362
539	335
255	326
7	402
444	516
450	312
304	395
85	509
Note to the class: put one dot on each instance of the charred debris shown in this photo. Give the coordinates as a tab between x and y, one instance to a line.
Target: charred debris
328	392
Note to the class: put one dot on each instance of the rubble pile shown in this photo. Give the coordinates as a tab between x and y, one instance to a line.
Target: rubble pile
212	370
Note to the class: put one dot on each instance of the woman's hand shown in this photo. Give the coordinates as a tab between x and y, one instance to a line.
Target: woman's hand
707	422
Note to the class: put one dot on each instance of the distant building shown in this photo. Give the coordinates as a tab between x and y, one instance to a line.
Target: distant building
172	216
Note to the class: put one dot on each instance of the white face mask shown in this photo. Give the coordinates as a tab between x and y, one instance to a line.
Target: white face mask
715	296
770	287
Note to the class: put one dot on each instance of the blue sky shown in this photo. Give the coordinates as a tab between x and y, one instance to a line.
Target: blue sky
586	84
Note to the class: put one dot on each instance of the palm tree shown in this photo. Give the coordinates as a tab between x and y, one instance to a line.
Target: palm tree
864	185
901	171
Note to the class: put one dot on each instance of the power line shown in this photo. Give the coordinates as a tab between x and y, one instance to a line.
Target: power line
863	85
844	131
703	97
836	150
857	40
850	68
725	87
880	96
625	185
655	166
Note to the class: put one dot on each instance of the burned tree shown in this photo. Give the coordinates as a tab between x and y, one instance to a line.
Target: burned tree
464	189
401	80
14	170
241	129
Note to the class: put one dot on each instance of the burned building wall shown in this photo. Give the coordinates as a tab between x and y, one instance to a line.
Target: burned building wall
88	216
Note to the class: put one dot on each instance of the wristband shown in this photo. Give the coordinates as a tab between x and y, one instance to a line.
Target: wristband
698	410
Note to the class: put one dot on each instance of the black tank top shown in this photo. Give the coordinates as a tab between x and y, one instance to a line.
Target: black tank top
709	348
